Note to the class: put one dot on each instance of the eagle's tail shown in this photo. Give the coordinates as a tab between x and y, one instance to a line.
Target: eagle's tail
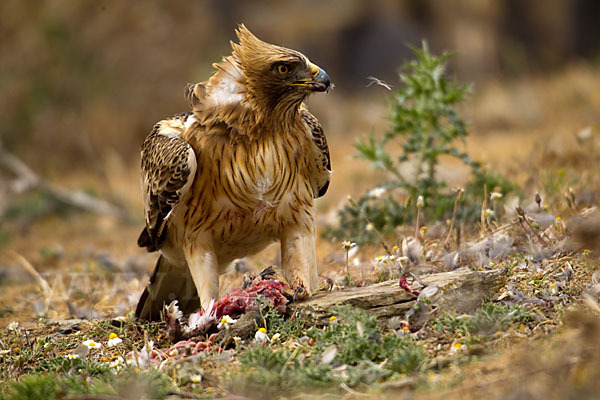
168	282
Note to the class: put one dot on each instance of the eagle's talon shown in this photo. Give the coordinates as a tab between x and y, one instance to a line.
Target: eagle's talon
300	293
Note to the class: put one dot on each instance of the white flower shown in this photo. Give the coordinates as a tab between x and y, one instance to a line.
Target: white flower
3	352
141	358
377	192
117	364
112	342
237	339
381	259
420	202
488	213
456	347
495	195
369	227
196	378
261	336
90	344
276	337
348	245
148	347
226	322
72	356
13	326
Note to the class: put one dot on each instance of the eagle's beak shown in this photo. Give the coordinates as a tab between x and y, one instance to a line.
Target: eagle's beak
322	81
319	81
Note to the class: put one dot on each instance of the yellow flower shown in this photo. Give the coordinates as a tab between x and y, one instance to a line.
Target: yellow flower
333	318
112	336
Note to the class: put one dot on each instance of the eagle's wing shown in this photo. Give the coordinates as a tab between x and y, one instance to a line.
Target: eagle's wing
168	170
320	165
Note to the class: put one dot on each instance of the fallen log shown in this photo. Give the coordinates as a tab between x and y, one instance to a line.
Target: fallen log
461	291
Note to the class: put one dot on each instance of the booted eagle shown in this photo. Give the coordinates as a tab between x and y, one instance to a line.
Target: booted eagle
238	172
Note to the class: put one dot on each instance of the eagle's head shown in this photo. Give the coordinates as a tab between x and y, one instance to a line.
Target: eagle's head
276	76
256	89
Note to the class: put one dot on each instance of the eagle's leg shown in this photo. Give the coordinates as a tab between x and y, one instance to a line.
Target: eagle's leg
299	257
204	268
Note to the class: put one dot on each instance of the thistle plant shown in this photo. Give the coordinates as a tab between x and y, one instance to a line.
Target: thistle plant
425	123
424	117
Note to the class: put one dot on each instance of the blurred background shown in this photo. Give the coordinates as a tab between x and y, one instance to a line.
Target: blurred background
88	79
82	83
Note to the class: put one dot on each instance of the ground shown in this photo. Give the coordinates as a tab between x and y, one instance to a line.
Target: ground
532	337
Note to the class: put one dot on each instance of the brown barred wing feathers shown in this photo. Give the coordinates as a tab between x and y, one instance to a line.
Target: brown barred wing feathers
168	169
320	165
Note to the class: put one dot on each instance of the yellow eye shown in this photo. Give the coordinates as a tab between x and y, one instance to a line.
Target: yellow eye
283	69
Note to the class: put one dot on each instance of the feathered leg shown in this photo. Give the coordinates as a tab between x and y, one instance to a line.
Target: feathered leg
299	257
204	269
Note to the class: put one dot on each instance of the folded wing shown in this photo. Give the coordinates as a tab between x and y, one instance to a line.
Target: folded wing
320	166
168	170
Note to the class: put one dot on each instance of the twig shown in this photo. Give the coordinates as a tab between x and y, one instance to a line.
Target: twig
458	194
523	221
27	179
386	247
186	395
503	227
95	397
43	284
352	391
483	208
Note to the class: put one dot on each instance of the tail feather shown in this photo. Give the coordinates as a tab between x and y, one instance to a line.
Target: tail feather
167	283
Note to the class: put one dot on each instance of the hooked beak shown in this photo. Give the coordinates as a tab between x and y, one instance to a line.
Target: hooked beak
318	83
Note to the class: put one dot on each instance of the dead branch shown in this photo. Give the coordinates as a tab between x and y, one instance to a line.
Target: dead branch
26	179
461	290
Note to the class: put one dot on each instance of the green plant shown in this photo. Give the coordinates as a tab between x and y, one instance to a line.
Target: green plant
270	373
276	323
34	387
151	384
487	319
357	338
61	364
426	125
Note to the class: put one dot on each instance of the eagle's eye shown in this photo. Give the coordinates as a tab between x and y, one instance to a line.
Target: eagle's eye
283	69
